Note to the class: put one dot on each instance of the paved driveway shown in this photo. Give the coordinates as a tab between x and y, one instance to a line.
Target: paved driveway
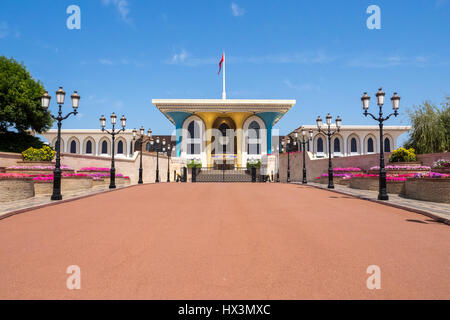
223	241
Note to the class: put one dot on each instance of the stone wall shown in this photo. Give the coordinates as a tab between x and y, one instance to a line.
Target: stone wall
15	189
429	158
67	184
315	167
428	189
126	166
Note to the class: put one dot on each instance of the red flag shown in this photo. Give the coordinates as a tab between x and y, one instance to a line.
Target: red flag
220	63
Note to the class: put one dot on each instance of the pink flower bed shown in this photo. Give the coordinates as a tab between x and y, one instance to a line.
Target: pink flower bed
402	168
14	176
63	167
349	169
432	175
94	169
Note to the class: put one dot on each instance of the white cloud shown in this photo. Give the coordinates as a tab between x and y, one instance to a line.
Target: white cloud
184	58
105	62
289	58
392	61
179	57
236	10
4	30
301	87
122	7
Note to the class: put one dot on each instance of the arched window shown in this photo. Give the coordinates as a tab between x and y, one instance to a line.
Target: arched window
73	147
337	145
353	146
387	145
148	146
370	145
193	145
194	130
120	147
104	147
254	145
320	145
89	147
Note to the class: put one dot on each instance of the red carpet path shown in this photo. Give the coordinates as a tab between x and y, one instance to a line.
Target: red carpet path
223	241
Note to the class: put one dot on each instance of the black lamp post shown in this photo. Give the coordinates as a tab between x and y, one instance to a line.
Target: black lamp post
168	162
45	100
141	141
303	143
278	163
329	133
287	148
382	193
157	147
113	133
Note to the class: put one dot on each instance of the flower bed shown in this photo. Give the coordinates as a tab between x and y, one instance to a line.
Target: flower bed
37	169
338	178
120	178
347	170
94	169
15	187
433	187
398	169
442	166
371	182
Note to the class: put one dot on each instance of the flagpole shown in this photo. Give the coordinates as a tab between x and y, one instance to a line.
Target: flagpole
224	94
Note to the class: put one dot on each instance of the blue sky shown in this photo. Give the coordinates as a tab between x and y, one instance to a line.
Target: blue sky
320	53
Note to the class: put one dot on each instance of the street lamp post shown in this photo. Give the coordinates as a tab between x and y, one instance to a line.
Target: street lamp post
329	133
157	147
278	163
141	141
382	193
113	133
287	149
45	101
168	162
303	143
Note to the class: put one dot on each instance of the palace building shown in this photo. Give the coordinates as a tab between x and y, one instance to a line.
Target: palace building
223	132
228	133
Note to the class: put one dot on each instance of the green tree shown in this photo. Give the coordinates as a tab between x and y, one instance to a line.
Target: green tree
430	128
20	104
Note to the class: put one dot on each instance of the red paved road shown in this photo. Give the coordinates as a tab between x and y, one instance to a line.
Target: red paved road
223	241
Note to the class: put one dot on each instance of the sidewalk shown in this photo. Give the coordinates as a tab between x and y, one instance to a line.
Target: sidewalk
8	209
437	211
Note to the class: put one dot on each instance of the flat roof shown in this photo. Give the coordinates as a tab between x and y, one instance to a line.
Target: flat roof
223	105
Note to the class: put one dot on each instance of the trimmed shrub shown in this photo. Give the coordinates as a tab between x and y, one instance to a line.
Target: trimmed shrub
43	154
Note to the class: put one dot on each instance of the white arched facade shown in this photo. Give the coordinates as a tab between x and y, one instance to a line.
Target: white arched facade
85	146
391	143
199	139
117	142
73	141
320	152
360	133
101	150
337	146
353	147
261	141
376	147
53	144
